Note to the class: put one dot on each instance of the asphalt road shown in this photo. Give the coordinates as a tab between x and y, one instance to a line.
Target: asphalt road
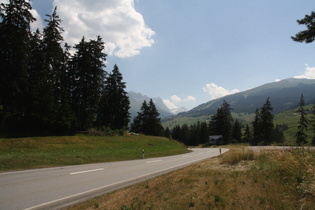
55	188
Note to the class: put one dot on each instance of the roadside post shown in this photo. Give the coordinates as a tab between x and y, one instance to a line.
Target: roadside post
143	154
220	151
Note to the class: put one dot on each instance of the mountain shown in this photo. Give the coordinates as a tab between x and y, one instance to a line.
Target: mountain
136	100
178	110
283	95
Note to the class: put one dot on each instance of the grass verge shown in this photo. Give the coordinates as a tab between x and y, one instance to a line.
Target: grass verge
39	152
268	180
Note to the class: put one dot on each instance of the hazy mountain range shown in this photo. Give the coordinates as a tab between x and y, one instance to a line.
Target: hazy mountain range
136	100
283	95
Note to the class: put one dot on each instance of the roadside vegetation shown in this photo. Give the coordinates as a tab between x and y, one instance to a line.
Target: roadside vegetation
40	152
238	179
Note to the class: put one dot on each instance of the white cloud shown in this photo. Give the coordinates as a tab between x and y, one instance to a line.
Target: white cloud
169	104
308	74
216	91
122	28
4	1
190	98
38	24
175	99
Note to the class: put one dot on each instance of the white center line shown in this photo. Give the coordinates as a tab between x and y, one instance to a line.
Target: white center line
81	172
154	161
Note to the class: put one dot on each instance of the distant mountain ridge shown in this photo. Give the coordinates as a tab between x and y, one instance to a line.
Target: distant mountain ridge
283	95
136	100
178	110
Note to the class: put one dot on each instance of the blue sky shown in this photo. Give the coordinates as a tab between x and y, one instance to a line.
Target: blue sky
188	52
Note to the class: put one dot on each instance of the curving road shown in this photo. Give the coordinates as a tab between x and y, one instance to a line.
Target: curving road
55	188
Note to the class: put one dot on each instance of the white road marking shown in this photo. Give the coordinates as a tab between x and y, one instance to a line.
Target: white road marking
120	182
154	161
81	172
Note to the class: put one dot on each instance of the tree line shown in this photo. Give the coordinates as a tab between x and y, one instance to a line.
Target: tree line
45	89
261	131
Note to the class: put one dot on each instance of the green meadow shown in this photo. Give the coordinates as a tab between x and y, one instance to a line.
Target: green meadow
41	152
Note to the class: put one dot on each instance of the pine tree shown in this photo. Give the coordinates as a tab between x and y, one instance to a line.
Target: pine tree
15	34
257	132
184	134
247	135
37	81
278	134
313	124
136	124
148	121
301	136
153	124
222	123
267	127
114	106
308	35
167	133
88	75
204	133
58	108
237	132
176	132
194	134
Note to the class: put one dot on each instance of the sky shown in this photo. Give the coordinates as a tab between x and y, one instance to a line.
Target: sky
189	52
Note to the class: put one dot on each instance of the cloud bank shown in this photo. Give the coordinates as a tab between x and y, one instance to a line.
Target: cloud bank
171	103
216	91
38	24
308	74
122	28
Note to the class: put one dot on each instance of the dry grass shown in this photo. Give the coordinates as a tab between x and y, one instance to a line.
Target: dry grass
235	156
274	180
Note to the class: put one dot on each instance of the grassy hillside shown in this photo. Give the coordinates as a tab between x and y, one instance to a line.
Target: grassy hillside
291	118
239	179
39	152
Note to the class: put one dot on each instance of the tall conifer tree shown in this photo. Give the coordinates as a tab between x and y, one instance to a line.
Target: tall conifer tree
257	131
301	136
15	33
313	125
87	68
267	126
147	120
237	132
57	105
114	105
37	81
222	122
